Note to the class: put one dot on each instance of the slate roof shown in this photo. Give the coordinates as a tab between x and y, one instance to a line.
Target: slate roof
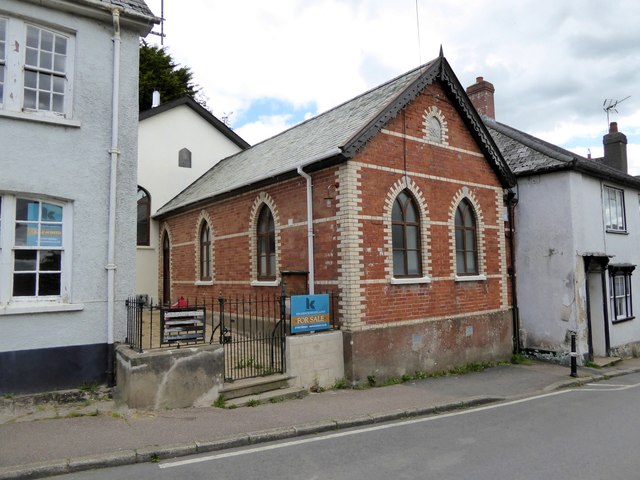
335	136
138	6
200	110
132	8
528	155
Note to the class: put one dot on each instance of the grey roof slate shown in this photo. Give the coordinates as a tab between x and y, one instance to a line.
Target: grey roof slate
138	6
336	134
135	8
528	155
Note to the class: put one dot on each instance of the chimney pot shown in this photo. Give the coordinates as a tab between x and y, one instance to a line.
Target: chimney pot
613	127
479	79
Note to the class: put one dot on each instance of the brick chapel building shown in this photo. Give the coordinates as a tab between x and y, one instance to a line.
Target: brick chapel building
395	199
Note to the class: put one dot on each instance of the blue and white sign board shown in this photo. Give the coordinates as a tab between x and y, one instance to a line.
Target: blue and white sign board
310	313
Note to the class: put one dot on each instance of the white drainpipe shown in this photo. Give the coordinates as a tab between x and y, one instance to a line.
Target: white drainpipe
113	183
310	248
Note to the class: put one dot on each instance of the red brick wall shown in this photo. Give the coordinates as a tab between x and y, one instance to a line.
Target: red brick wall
439	172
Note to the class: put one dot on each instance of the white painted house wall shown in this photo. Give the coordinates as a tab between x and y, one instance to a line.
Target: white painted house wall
67	160
560	217
161	137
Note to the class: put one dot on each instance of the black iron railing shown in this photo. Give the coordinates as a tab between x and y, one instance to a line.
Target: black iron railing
251	328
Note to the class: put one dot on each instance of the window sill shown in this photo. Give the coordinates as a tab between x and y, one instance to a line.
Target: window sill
470	278
265	283
27	308
618	232
199	283
410	280
40	118
622	320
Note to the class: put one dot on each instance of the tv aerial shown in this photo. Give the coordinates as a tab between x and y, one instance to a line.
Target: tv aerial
611	104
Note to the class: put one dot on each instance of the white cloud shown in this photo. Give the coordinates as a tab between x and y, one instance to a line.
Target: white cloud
264	128
552	63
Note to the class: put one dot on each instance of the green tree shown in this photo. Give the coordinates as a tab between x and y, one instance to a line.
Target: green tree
158	71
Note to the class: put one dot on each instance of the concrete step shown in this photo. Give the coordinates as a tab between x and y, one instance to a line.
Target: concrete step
272	396
254	386
602	362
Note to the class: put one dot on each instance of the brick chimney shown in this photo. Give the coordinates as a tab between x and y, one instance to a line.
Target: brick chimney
481	95
615	148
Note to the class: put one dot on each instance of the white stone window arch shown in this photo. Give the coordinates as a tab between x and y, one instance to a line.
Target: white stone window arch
409	187
435	127
262	201
204	250
465	198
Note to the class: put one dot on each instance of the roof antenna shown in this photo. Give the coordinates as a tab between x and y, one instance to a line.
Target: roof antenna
161	34
611	104
419	43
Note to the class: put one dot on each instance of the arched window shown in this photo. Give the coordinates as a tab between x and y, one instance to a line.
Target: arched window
205	252
405	233
144	216
266	245
466	240
434	129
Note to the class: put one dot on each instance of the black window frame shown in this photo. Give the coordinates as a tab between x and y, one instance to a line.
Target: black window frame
143	214
466	210
617	271
404	200
265	240
204	242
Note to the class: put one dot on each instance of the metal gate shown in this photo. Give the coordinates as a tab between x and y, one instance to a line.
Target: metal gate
252	332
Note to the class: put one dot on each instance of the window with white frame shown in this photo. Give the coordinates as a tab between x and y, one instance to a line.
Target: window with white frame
614	215
620	292
33	237
36	78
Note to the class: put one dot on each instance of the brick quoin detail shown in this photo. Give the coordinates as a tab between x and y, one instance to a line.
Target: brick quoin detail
352	204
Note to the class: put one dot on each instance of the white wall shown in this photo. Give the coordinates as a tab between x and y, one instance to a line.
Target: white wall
161	137
559	219
545	260
72	163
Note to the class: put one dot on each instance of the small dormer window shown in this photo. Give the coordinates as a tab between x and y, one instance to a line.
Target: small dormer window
184	158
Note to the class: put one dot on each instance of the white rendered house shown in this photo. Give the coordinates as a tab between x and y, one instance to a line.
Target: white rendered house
178	142
68	130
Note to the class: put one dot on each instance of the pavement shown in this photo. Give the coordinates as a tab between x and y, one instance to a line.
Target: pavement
58	433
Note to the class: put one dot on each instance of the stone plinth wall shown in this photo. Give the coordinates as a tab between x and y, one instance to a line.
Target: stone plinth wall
175	378
316	359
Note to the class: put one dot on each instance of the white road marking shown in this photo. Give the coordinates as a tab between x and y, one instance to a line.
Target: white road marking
608	387
265	448
319	438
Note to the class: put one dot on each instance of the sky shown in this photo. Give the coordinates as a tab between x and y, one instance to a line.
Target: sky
266	66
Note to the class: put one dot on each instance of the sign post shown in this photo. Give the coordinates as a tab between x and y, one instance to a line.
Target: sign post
310	313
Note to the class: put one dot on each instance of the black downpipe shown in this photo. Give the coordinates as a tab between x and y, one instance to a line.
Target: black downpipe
512	201
607	340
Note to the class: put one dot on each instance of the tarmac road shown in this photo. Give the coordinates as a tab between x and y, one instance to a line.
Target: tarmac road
588	432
